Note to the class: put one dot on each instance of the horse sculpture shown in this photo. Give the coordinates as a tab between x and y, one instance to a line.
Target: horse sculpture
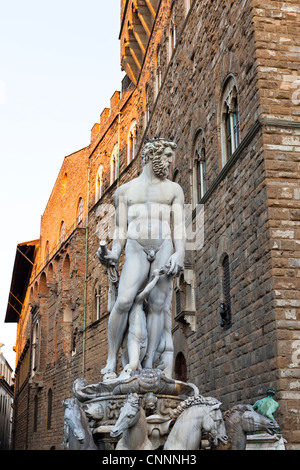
132	424
193	417
77	434
242	419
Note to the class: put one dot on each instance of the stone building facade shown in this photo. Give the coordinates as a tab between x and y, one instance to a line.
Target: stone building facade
6	402
222	80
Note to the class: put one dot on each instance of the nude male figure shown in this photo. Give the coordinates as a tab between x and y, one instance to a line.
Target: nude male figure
144	208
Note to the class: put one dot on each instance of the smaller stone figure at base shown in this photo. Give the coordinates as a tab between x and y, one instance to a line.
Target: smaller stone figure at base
136	340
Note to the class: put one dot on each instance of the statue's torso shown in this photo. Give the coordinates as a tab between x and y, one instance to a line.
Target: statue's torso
149	211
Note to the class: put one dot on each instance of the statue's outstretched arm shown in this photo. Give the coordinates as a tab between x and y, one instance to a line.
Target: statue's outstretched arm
155	276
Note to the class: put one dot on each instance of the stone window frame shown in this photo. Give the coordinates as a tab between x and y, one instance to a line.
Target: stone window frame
230	122
147	105
62	232
80	211
132	142
158	72
199	168
172	35
35	342
114	164
99	183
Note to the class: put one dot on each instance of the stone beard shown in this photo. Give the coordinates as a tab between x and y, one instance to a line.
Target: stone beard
153	152
159	167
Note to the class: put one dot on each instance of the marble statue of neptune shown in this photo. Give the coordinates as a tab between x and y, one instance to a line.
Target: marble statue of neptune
150	226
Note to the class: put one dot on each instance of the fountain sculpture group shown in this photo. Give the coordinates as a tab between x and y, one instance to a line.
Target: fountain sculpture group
143	407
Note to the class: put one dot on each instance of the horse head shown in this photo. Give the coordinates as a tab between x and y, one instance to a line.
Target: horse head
253	421
243	419
128	416
79	434
214	425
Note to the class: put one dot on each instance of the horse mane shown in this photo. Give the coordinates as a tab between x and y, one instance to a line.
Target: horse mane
236	409
193	401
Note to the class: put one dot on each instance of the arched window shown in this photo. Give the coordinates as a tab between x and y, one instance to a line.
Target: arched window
230	124
132	142
66	266
99	183
158	70
68	314
114	164
172	33
62	232
180	368
80	210
49	409
199	169
35	346
147	105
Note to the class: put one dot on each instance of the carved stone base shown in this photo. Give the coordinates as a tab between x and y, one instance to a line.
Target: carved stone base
159	397
158	410
264	441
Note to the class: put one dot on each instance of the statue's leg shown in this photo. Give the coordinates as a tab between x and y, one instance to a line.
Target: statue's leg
137	334
134	274
165	352
158	304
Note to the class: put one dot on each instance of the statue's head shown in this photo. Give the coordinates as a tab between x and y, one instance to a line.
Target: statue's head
160	153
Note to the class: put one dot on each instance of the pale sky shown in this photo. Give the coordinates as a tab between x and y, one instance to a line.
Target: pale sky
59	67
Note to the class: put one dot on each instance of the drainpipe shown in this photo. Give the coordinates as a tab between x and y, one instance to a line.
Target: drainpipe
85	273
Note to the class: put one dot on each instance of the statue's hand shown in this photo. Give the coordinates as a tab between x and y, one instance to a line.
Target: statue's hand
175	265
109	258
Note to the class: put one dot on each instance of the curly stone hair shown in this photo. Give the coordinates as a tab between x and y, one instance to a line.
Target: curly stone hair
156	147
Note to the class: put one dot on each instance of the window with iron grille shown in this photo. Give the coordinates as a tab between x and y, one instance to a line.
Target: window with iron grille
226	305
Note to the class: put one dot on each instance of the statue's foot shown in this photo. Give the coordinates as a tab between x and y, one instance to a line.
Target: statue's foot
108	374
125	374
